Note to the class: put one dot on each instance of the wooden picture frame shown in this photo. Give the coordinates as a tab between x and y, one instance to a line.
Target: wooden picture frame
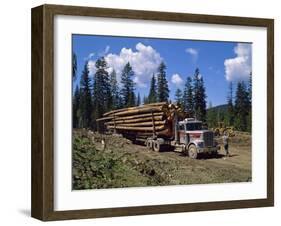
42	203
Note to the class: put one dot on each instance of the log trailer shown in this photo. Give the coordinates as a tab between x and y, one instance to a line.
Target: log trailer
160	126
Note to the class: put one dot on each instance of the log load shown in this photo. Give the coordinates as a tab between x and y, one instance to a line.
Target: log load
145	120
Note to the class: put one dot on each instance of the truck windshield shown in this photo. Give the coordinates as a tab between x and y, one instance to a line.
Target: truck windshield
194	126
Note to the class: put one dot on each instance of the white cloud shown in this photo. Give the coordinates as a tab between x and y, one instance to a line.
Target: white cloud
105	51
92	67
144	61
177	79
239	67
193	52
90	56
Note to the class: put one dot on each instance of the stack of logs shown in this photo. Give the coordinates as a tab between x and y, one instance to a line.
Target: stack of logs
149	119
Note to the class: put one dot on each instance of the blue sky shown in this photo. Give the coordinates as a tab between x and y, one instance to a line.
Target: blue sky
218	62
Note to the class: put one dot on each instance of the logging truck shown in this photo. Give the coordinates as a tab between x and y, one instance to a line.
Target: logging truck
160	126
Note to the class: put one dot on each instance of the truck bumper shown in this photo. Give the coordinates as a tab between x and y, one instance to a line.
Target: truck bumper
208	149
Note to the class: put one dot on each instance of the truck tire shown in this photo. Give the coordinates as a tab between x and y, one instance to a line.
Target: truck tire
156	146
149	144
192	152
185	150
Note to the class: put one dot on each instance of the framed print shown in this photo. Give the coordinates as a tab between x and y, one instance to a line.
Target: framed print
141	112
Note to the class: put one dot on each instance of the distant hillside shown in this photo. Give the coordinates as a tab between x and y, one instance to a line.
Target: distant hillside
217	114
220	113
221	108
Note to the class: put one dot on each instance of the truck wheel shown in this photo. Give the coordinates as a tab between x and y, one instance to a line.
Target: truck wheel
156	146
192	152
149	144
185	150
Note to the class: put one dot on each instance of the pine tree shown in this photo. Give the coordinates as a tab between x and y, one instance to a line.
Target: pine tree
138	102
74	66
134	99
114	89
196	96
85	98
203	95
199	96
120	101
250	88
210	105
162	84
152	96
230	107
127	90
211	116
249	118
101	90
241	107
188	102
75	107
179	98
145	100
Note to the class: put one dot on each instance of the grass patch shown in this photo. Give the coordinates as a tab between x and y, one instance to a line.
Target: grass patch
93	168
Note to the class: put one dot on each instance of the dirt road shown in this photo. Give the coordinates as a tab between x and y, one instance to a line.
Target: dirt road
173	168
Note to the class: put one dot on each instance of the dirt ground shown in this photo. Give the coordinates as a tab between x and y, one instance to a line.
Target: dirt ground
173	168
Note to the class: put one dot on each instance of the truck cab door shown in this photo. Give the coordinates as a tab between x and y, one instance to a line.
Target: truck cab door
182	134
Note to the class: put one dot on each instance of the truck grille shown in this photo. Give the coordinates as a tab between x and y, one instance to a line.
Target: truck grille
208	137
